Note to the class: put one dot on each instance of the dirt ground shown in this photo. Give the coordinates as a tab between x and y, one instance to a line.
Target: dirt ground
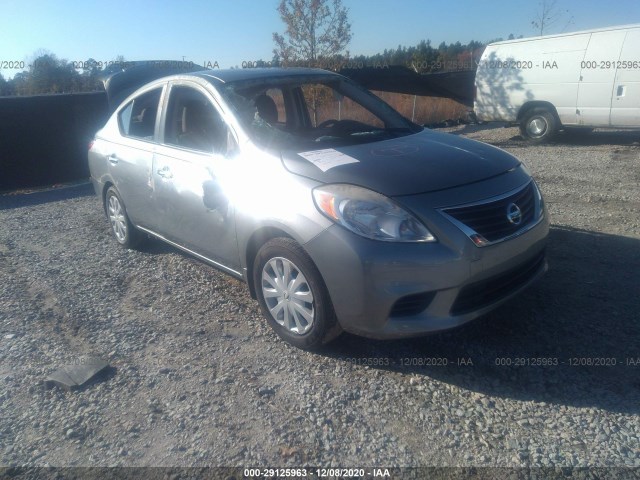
551	379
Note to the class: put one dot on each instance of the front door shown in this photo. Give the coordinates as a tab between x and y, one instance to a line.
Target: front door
191	174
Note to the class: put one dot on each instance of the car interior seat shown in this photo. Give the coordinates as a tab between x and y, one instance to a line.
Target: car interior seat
199	129
267	108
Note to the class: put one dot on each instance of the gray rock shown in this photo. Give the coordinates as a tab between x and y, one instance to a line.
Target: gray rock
266	391
75	376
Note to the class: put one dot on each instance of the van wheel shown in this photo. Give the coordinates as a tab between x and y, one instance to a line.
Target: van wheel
293	296
538	125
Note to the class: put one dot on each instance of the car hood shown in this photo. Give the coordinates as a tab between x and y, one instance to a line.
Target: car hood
418	163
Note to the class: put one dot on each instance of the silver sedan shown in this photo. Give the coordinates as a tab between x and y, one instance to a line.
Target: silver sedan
339	213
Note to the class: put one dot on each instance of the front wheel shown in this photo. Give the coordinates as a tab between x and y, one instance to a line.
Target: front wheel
538	125
293	296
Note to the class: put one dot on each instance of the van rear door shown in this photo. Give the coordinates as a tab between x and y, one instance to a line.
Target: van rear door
625	106
597	77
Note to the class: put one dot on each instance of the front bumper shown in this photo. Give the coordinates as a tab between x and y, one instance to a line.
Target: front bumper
395	290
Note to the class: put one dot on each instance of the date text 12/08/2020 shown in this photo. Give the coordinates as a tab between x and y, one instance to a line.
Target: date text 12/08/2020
409	361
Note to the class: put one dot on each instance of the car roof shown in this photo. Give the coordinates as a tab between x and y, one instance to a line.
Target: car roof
120	84
238	74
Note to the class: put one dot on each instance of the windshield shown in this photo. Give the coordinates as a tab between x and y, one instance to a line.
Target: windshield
313	111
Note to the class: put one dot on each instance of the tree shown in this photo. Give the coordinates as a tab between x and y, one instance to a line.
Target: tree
317	32
548	15
315	29
90	73
47	74
5	87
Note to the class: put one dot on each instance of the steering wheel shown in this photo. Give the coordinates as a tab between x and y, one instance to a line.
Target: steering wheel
328	123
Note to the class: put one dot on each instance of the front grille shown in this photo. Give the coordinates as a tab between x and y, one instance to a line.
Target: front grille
412	304
491	219
484	293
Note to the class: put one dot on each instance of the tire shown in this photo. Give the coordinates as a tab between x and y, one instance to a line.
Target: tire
539	125
302	313
123	230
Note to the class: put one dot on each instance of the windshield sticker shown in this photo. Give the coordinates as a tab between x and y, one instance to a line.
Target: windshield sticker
327	158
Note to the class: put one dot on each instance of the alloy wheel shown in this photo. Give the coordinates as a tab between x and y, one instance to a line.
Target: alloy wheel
117	219
537	126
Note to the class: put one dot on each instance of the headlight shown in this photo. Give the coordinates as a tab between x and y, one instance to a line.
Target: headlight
369	214
540	200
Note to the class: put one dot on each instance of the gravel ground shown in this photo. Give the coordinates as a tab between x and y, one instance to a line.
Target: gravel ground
199	378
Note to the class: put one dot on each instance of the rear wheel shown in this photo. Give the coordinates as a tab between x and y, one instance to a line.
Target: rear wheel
293	296
538	125
126	234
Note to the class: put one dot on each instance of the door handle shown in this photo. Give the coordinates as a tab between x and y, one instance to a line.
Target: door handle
165	172
113	159
620	91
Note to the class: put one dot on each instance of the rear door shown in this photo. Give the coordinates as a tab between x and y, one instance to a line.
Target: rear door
597	77
625	107
130	159
192	175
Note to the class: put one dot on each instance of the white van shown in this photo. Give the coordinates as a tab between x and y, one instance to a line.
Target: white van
583	79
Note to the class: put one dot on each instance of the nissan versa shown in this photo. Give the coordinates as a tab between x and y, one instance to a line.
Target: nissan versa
338	212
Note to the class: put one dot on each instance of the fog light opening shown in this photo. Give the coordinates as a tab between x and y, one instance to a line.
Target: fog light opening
479	240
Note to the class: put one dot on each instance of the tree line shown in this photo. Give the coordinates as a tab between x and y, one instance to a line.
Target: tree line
48	74
317	35
424	58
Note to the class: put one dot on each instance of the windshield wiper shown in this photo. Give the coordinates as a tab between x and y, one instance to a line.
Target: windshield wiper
415	129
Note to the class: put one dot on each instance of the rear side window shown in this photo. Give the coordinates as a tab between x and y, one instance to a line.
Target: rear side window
138	118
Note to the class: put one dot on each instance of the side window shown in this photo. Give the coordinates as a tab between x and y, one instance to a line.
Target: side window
124	119
278	100
193	122
138	118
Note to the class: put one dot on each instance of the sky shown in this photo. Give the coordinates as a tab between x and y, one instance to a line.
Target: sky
235	31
